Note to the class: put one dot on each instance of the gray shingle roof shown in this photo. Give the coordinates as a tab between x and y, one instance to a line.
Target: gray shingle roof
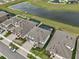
1	30
2	13
23	27
20	25
12	20
38	34
62	43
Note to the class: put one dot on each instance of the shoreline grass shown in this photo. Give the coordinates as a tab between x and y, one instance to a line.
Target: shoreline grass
57	25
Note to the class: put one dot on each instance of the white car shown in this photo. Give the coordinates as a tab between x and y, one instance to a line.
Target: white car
13	50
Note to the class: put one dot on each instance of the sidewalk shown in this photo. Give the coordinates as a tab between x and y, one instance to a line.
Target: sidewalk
28	46
21	47
11	37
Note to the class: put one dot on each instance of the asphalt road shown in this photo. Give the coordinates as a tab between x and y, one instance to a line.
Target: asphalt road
8	53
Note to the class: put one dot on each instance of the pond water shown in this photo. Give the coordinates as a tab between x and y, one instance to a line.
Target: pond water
71	18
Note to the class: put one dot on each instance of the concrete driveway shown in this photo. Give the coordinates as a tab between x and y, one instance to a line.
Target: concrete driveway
11	37
28	46
8	53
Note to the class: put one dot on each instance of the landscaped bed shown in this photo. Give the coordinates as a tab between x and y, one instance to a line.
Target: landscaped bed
1	38
7	34
18	41
13	46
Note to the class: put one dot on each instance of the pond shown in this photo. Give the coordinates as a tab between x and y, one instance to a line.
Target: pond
71	18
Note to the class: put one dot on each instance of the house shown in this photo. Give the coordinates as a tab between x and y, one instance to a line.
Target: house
18	25
39	36
12	20
4	16
27	28
1	30
10	23
64	1
61	45
67	1
23	27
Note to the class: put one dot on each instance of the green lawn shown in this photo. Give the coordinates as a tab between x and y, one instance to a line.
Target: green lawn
13	46
7	34
40	52
45	4
20	41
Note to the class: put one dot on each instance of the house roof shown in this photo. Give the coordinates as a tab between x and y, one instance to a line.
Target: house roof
1	30
23	27
39	34
10	26
19	25
12	20
2	13
62	44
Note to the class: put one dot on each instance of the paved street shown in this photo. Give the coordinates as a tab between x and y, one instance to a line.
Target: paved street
8	53
19	47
